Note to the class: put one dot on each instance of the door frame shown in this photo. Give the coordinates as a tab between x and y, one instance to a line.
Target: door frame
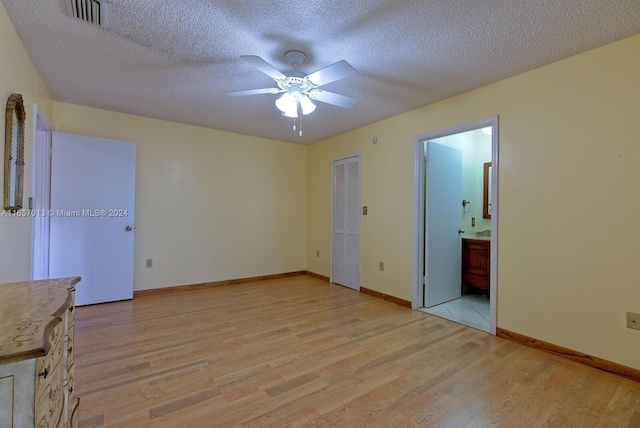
357	155
419	214
41	187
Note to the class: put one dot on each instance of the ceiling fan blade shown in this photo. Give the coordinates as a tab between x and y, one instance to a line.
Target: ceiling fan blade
332	98
254	92
263	66
331	73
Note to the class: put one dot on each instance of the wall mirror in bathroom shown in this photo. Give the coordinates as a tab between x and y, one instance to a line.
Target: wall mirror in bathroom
14	153
486	193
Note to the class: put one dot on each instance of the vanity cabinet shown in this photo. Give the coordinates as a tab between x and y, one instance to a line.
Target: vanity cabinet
36	354
476	257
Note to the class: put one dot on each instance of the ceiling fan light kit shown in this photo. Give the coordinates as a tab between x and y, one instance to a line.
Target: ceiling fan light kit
297	88
289	103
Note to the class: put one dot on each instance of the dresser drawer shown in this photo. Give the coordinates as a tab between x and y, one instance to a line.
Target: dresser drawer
49	405
68	348
70	400
70	384
45	366
75	413
71	313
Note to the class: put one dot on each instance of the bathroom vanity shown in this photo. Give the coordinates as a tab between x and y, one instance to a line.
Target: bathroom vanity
476	262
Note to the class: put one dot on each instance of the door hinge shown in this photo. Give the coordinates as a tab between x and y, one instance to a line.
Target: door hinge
424	280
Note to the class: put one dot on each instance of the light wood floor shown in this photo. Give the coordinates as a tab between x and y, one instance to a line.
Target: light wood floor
300	352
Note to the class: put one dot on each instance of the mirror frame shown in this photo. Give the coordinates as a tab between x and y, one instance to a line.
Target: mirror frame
15	108
485	191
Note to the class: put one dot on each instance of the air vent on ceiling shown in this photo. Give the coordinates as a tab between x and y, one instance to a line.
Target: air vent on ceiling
91	11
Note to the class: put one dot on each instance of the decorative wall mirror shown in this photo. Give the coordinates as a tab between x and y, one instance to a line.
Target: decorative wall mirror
14	153
486	193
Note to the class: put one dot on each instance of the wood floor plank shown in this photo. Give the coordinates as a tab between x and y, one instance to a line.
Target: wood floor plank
634	422
624	404
298	352
182	403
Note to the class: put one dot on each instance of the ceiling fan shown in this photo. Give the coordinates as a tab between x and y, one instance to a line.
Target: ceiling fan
298	88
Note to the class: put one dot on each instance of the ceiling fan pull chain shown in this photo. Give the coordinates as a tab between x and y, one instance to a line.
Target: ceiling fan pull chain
300	119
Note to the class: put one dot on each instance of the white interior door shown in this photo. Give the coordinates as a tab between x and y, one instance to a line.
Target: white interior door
346	222
443	243
92	215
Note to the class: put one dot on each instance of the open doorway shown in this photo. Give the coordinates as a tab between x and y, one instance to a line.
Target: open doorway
455	223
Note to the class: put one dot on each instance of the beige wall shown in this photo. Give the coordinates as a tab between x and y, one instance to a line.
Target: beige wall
476	150
569	150
210	205
18	75
213	205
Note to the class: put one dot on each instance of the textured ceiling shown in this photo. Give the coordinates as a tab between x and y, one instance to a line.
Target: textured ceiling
175	60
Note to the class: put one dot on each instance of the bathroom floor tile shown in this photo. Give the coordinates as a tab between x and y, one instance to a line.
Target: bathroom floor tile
439	310
479	303
471	310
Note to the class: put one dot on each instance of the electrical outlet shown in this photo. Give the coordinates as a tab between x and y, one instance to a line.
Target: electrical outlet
149	263
365	210
633	320
381	266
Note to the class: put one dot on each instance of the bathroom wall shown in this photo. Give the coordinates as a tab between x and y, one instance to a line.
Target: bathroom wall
476	150
482	149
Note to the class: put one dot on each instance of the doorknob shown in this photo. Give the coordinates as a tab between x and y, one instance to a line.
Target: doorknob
460	231
128	228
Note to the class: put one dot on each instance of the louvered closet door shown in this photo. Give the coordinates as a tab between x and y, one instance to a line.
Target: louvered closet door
346	222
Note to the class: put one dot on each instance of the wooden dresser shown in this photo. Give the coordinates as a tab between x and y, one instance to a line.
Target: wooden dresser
36	354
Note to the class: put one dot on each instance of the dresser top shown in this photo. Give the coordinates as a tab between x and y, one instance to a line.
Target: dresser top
29	310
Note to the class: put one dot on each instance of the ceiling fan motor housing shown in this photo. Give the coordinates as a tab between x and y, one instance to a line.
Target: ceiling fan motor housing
296	80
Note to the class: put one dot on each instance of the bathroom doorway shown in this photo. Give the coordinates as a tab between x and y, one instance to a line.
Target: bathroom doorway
455	225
